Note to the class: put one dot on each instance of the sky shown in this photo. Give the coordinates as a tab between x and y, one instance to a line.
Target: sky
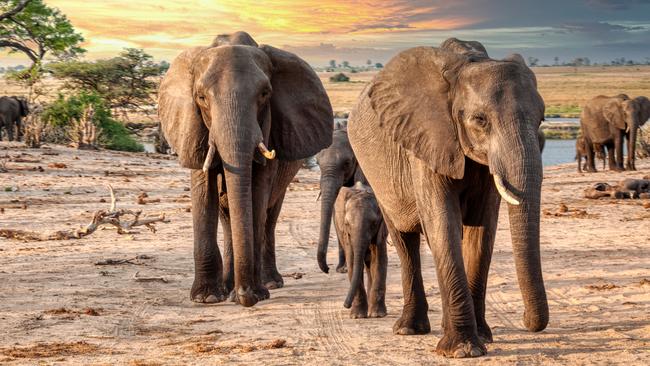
358	30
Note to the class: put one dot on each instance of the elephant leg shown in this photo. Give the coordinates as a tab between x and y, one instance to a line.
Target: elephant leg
414	319
441	220
479	229
377	285
618	145
341	267
611	158
271	277
590	164
228	262
19	129
208	284
261	192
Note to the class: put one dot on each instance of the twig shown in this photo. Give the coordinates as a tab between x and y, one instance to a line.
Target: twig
101	217
148	279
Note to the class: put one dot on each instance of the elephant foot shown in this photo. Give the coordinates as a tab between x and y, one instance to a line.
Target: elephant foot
342	268
410	324
208	292
272	279
457	346
484	333
377	310
359	311
248	297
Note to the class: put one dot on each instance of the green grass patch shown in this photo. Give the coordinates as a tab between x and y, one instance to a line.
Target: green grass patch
563	111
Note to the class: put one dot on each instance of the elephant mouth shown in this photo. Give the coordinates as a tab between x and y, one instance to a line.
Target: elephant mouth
212	150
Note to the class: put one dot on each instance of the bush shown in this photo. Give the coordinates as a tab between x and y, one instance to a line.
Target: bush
63	115
339	78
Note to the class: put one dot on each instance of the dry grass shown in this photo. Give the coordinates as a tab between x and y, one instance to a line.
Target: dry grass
56	349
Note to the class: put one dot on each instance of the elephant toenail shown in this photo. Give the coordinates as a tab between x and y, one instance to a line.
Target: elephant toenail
211	299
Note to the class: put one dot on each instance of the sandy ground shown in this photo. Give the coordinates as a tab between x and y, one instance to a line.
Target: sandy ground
59	307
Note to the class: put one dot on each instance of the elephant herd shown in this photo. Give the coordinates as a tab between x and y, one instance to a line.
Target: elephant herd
436	140
607	124
12	110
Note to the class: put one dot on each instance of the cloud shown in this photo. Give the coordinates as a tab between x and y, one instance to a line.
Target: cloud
616	4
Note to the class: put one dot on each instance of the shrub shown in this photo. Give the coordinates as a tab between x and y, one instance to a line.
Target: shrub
64	114
339	78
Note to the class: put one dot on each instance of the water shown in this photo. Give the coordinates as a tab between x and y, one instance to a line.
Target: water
559	152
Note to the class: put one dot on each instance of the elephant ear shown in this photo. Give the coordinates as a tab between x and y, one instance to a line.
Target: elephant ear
644	109
180	119
301	114
613	112
411	98
24	107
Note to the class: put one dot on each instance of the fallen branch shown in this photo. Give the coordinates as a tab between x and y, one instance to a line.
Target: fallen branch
112	217
148	279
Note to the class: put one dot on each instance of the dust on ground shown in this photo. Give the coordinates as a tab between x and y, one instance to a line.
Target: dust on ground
79	301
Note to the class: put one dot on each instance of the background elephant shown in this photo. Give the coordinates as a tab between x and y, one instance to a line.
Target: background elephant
441	133
12	111
362	233
609	121
226	109
644	109
338	168
582	153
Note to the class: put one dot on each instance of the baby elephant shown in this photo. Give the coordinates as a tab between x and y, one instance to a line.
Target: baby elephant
362	233
581	153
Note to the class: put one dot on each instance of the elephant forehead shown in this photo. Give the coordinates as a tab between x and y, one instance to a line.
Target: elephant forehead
238	58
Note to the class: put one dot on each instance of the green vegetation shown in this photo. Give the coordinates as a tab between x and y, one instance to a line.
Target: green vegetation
63	114
127	81
38	30
340	78
564	111
560	132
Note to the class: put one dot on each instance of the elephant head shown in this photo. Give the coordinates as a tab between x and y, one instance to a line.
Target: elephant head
644	109
24	107
447	104
623	113
338	167
233	103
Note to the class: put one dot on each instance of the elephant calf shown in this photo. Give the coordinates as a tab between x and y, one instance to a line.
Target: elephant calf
362	233
582	152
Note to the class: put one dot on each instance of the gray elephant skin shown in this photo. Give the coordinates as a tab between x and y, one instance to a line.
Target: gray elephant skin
338	168
441	134
362	233
226	109
12	111
609	121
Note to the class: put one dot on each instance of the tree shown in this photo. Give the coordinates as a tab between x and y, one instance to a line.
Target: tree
369	62
557	61
38	30
15	9
346	64
532	61
333	64
124	82
379	65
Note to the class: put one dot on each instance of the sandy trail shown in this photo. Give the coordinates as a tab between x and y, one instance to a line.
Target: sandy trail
58	307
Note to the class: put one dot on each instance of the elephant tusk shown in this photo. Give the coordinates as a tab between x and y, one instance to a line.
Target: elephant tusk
503	191
267	154
208	158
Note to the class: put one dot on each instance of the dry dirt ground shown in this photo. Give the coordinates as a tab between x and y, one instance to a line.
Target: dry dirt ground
59	307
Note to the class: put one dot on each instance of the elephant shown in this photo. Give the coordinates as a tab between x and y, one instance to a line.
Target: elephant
608	121
442	134
338	168
12	110
541	140
362	232
644	109
582	152
242	117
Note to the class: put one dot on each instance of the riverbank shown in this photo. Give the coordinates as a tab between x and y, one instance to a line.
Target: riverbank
63	302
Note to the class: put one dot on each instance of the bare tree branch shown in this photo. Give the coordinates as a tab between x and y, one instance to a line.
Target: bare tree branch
21	5
20	47
100	218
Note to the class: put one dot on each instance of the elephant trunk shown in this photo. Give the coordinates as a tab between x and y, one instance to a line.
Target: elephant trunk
330	185
631	146
521	176
236	133
359	246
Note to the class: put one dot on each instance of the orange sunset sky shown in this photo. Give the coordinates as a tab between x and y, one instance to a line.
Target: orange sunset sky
320	30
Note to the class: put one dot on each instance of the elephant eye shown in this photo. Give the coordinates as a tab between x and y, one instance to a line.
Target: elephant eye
479	120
